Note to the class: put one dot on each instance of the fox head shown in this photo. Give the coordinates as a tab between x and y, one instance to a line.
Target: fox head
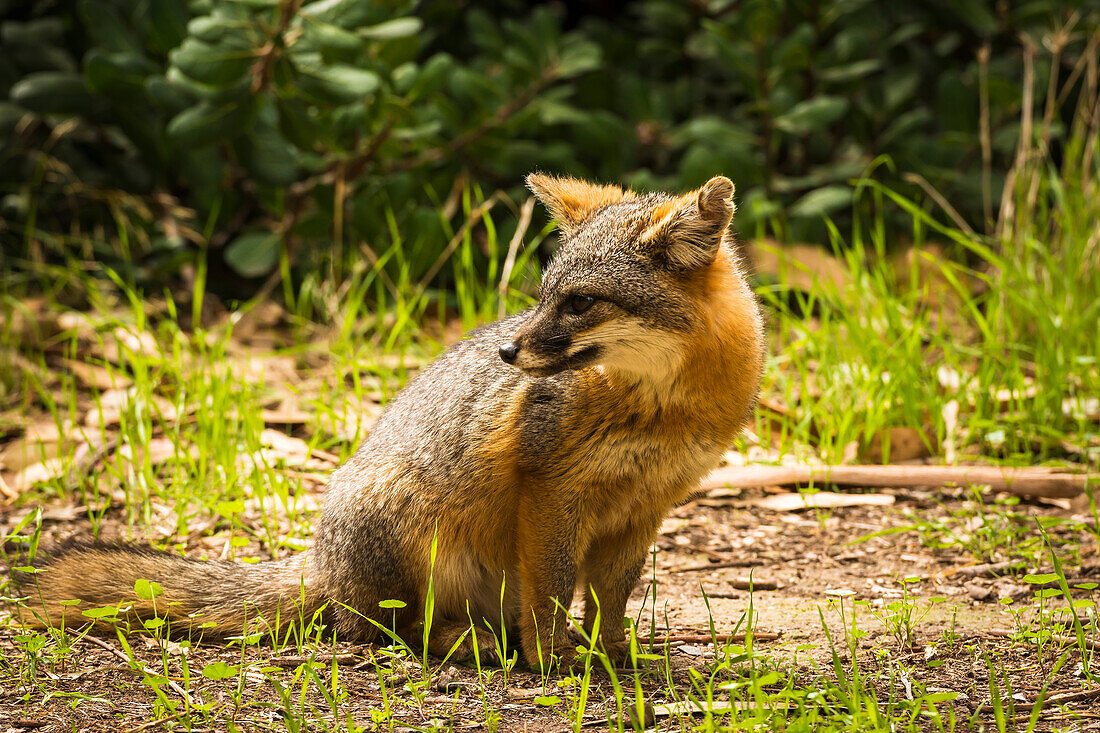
623	290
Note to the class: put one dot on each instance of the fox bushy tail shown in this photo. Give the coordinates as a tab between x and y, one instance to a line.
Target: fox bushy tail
215	598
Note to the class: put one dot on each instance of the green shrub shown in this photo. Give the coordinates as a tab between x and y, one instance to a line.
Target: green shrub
143	133
248	123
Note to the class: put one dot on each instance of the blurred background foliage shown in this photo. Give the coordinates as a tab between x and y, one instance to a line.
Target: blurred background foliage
282	136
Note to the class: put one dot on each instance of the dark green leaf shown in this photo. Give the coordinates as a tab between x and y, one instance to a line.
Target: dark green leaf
167	96
296	123
213	28
337	83
848	72
53	92
167	24
812	114
268	156
107	28
822	201
10	116
348	14
207	123
117	73
331	37
578	58
396	28
253	253
217	65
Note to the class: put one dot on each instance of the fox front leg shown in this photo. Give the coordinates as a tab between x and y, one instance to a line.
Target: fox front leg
548	577
612	567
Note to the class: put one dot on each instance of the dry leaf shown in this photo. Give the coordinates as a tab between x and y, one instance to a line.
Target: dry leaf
22	453
821	500
293	450
77	323
270	369
159	450
286	412
6	489
114	402
128	339
37	473
97	376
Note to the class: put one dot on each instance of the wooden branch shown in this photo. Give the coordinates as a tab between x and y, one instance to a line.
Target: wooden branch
707	638
1062	639
502	114
1029	481
319	658
471	221
513	249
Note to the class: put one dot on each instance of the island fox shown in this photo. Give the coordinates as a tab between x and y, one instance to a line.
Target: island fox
540	453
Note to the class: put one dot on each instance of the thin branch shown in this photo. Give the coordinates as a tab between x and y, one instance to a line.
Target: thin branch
1023	144
513	249
502	115
1029	481
940	200
474	218
707	638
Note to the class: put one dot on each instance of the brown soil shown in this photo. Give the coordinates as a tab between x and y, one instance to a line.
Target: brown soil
710	545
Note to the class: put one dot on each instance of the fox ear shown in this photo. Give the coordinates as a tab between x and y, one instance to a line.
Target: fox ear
687	231
570	200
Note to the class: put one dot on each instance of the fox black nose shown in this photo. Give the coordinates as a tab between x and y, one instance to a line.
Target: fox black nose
508	351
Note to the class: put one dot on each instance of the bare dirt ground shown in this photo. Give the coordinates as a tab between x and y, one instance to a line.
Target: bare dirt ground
804	559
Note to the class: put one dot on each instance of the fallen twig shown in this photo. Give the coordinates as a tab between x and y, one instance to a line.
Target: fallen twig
720	638
1060	638
753	584
525	214
1028	481
990	569
1058	700
746	563
319	658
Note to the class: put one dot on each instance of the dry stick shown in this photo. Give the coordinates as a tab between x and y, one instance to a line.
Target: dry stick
942	202
1023	147
474	218
121	655
1058	700
1058	40
720	638
1060	638
374	260
502	115
986	135
513	249
6	490
1028	481
319	658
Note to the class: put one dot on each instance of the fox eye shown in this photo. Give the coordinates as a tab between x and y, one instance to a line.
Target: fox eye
578	304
